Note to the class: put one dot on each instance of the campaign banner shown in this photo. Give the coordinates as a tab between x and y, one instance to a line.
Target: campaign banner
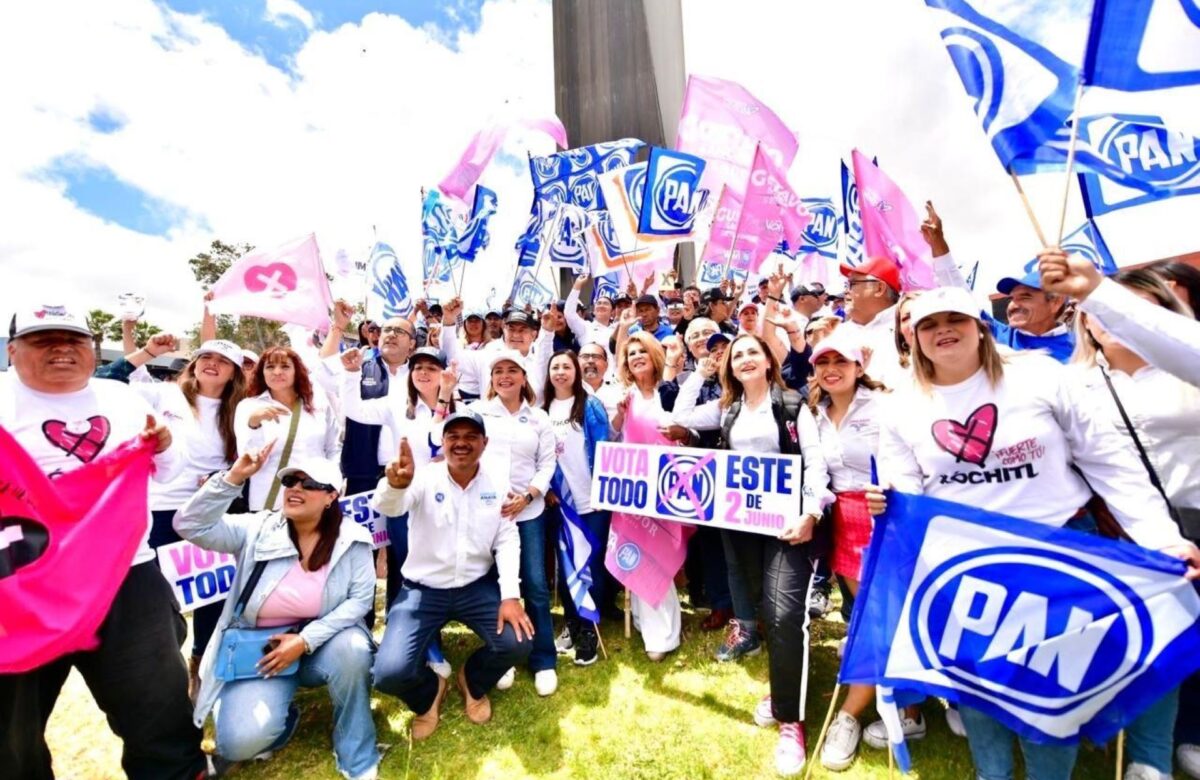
197	576
358	508
736	490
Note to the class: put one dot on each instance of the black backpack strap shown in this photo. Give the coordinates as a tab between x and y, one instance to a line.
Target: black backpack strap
1145	458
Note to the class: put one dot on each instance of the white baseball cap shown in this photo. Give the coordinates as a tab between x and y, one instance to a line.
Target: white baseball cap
320	469
248	354
943	299
47	317
226	349
507	355
841	341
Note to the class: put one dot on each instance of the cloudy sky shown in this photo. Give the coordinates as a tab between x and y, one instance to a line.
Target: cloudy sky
138	131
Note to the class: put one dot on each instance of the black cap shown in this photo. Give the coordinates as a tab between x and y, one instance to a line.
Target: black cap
651	300
465	416
623	298
714	294
800	291
517	317
561	304
430	353
717	338
435	309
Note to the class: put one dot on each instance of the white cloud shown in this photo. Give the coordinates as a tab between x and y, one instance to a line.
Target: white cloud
372	112
280	11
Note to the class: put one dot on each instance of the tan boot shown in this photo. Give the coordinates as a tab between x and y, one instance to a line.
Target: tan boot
426	723
193	678
479	711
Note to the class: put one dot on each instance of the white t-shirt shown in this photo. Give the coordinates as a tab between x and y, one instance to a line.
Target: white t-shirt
1009	449
571	453
64	431
317	436
196	434
755	430
525	440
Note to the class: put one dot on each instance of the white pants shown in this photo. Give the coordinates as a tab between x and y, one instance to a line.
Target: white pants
660	626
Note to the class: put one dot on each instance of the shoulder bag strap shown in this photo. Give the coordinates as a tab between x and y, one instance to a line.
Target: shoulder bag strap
1154	480
244	598
287	453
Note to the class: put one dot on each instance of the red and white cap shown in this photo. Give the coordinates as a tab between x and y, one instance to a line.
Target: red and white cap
47	317
882	268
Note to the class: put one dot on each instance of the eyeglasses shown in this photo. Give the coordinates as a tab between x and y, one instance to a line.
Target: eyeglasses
308	483
396	329
592	356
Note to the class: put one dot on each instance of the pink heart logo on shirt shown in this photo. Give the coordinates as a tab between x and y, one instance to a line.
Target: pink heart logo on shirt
275	279
81	439
969	441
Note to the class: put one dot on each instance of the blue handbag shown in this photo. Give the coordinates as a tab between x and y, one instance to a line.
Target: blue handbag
241	647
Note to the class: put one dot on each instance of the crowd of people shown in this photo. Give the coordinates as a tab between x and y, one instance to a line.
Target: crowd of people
473	428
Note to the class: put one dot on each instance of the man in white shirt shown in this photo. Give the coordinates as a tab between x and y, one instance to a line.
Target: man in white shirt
64	418
872	290
456	535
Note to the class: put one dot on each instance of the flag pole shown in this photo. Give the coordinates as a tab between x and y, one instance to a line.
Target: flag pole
837	689
1120	754
1037	227
1062	220
628	615
600	639
738	229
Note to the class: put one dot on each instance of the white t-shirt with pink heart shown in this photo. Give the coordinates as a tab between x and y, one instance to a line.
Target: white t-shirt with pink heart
64	431
1009	449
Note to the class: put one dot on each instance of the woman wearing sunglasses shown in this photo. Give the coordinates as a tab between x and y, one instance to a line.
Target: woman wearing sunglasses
316	582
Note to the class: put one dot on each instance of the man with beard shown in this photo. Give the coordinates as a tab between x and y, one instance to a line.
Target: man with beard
593	364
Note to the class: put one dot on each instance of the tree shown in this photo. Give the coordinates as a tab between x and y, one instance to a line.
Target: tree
98	322
253	332
142	331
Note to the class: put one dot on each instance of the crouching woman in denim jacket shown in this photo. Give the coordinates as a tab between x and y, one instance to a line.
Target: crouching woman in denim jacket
317	584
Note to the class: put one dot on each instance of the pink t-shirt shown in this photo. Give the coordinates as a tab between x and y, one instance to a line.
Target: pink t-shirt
297	597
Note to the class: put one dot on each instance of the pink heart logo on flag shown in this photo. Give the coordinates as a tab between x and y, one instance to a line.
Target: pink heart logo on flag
275	279
970	441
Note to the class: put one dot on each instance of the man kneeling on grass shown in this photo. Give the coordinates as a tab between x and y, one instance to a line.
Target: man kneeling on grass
455	537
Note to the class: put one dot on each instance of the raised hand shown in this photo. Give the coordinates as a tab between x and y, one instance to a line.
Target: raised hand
449	380
158	432
548	317
451	310
580	280
343	312
160	344
399	472
248	464
1072	275
931	231
352	361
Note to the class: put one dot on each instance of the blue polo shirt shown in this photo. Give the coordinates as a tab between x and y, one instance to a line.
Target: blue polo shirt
664	330
1060	342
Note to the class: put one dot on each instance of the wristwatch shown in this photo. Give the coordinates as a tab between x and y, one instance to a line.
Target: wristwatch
528	497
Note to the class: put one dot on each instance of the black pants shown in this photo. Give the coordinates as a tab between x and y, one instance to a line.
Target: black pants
787	576
138	679
744	568
204	619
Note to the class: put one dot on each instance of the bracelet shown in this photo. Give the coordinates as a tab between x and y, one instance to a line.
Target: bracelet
444	401
777	300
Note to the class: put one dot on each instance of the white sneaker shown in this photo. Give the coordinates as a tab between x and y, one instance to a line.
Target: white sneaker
562	642
506	682
841	742
370	774
545	682
655	656
763	717
790	754
841	649
954	721
1144	772
875	735
1188	757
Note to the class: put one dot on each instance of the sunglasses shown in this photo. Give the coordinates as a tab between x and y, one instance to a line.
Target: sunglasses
308	483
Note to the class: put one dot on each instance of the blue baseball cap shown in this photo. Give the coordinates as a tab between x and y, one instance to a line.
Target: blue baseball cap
720	337
1032	279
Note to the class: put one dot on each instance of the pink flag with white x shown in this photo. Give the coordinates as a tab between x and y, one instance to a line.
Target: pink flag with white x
890	225
287	284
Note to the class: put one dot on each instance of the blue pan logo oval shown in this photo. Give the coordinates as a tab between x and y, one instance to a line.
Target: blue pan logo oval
1144	147
628	556
822	231
1038	629
674	195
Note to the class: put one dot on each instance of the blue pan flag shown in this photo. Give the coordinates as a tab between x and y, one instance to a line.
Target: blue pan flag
575	545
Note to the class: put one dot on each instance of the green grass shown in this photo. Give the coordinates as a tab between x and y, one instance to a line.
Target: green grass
624	717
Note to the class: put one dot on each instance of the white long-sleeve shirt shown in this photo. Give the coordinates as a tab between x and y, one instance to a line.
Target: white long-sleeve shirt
1010	449
879	335
475	361
64	431
196	435
849	447
1165	412
755	430
1160	336
586	331
525	440
317	436
455	534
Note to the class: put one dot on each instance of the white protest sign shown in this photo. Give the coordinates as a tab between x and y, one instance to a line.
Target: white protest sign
358	508
197	576
736	490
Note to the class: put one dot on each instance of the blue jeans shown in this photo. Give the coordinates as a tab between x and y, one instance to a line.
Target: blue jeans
535	591
251	715
991	749
1148	740
397	554
414	621
598	523
1187	726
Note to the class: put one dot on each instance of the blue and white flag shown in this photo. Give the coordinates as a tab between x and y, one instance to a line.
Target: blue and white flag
1055	633
672	196
527	289
1139	45
567	244
1086	241
439	238
474	237
608	284
569	177
575	545
1019	62
852	227
387	294
712	274
1164	163
821	235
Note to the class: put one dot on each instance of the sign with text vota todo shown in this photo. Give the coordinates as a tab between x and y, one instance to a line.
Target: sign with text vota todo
197	576
736	490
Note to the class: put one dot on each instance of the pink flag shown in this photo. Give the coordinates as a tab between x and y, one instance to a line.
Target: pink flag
65	548
722	122
643	553
890	225
483	147
726	245
286	284
772	211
